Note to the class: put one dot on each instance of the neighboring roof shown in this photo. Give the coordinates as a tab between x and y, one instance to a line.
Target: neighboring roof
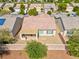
70	22
9	22
31	24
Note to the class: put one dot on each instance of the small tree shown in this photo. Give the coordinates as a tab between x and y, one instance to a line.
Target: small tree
11	8
62	7
68	14
36	50
76	8
52	9
42	10
77	12
33	12
49	12
22	12
73	43
6	38
22	8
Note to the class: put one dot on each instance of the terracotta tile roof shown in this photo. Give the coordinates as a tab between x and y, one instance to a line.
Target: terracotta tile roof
34	23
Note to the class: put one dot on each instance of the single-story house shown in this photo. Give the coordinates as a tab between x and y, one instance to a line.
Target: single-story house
11	23
47	7
67	23
38	26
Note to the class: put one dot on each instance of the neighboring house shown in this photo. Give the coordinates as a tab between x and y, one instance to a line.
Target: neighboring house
67	23
11	23
38	26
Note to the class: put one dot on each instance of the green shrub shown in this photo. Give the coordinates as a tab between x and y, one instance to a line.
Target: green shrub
42	9
22	9
6	37
62	7
52	9
11	8
22	12
33	12
49	12
68	14
4	11
76	8
22	6
36	50
77	12
73	44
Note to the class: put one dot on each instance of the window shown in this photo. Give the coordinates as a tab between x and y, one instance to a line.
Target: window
47	32
50	32
42	32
